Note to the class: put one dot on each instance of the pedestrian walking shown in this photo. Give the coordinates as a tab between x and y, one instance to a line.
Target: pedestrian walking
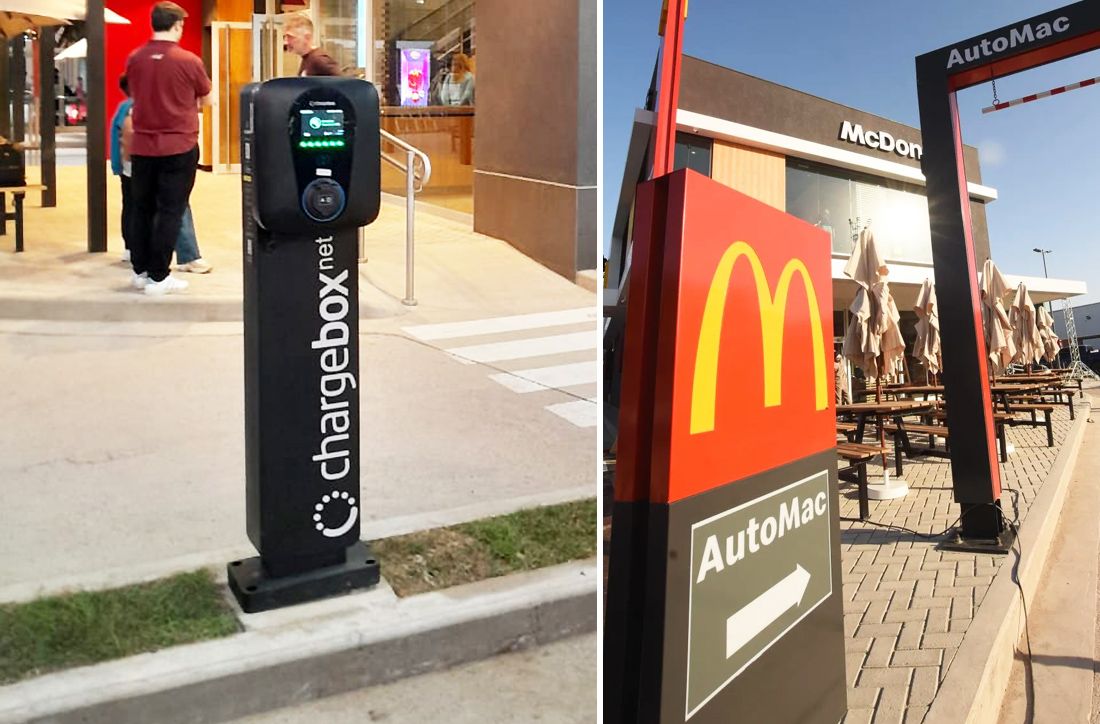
168	85
298	39
188	257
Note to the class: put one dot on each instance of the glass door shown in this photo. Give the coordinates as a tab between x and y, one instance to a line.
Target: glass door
232	61
269	59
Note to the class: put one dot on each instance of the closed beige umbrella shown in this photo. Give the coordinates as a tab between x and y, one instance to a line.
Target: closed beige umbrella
998	329
891	343
1045	323
866	268
926	348
873	339
1025	331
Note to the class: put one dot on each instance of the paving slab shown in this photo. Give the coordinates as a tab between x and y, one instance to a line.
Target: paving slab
459	274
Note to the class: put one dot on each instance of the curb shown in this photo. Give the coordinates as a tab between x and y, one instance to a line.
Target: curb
975	683
374	638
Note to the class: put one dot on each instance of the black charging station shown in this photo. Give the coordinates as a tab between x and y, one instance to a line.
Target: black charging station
310	175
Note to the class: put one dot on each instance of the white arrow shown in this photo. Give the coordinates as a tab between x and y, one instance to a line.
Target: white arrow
747	623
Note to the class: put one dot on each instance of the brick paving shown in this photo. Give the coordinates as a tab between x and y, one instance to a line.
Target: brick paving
907	606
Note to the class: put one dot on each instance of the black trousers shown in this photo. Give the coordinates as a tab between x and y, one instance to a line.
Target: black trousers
127	209
161	188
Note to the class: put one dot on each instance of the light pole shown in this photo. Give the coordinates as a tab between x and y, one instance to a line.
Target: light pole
1050	304
1044	252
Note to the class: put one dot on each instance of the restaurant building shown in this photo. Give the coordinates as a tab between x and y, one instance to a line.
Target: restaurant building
828	164
519	162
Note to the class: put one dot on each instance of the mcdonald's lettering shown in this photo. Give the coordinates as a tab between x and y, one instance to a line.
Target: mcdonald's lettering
773	312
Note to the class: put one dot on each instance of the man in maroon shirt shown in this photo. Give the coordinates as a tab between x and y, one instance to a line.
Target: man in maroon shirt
298	39
168	85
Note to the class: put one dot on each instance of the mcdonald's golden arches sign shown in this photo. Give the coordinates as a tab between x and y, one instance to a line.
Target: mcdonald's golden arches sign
752	373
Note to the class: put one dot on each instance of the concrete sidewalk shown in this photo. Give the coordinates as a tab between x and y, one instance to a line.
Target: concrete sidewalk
1055	681
123	452
459	273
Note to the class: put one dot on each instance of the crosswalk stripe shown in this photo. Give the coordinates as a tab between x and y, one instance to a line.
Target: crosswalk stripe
541	378
581	413
523	348
514	323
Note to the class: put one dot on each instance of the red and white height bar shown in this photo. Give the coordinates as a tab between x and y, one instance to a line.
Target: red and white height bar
1037	96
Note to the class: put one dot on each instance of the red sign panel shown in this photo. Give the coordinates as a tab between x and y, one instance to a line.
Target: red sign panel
744	368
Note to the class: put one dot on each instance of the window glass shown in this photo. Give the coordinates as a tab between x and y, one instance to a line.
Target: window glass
831	198
692	152
421	55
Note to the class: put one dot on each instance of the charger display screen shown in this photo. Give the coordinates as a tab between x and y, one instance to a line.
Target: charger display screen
321	128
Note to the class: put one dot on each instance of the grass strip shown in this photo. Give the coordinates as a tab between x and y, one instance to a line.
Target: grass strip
528	539
84	628
88	627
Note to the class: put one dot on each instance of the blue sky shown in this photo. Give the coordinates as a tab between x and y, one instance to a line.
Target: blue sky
1043	157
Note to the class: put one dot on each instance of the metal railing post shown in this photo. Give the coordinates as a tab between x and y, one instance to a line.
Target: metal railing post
410	215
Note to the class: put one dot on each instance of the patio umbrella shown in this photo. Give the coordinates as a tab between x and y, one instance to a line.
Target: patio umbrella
926	348
998	328
24	16
59	9
79	49
1046	333
873	339
866	268
1025	332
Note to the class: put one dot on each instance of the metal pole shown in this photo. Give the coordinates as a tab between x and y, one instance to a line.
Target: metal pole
410	215
5	88
1043	253
47	117
97	128
19	87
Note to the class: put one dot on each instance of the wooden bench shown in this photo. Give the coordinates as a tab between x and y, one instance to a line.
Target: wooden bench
17	192
1047	410
1043	398
847	429
857	455
942	431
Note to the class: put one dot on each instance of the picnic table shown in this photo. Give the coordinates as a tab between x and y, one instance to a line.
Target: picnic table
896	409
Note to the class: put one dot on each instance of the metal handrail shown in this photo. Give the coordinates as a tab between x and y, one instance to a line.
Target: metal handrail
412	155
425	163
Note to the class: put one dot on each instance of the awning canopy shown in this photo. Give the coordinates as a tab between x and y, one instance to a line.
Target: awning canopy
906	279
79	49
68	9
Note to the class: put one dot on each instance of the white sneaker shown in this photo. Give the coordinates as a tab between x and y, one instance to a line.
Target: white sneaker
138	281
167	285
125	255
198	266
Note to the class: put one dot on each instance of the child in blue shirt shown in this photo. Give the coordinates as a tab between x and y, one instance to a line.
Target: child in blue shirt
119	167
